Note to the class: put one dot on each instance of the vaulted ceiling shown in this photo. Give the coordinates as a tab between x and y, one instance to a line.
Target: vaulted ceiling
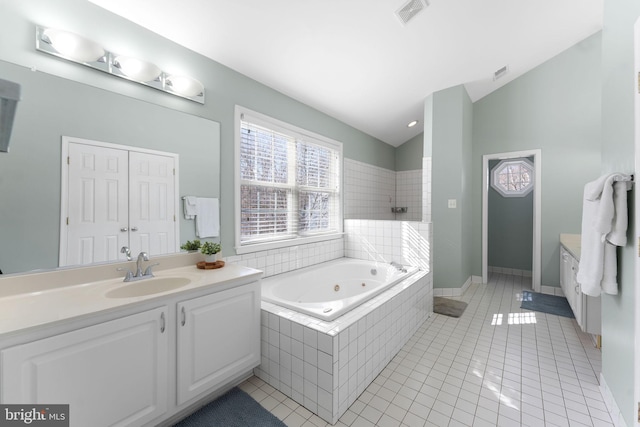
356	60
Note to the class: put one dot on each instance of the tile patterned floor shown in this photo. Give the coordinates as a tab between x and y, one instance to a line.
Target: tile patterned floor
497	365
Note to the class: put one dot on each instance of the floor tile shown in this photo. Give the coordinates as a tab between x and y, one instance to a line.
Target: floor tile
496	365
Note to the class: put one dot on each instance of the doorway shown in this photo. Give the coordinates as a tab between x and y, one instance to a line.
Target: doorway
487	160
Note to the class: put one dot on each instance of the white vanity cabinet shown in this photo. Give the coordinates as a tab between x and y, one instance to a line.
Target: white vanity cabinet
586	309
140	362
218	339
112	373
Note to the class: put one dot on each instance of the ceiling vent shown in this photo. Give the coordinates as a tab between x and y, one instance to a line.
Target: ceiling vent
501	72
410	9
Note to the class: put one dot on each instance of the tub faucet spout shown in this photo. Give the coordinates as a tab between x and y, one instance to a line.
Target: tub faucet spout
398	266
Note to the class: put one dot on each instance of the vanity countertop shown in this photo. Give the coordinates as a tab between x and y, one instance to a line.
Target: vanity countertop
37	308
572	243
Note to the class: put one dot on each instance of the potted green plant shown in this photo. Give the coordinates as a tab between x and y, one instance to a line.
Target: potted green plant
210	251
191	246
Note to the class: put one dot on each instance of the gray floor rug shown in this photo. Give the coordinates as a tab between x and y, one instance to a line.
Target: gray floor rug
544	303
234	409
448	307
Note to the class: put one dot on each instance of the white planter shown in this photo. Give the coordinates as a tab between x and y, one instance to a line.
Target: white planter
212	258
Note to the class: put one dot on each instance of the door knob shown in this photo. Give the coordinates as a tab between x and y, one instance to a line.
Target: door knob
123	229
134	228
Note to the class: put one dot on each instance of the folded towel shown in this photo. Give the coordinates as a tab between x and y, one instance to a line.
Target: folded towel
189	207
207	217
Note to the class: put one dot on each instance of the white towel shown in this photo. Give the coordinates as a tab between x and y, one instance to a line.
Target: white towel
190	209
618	234
604	226
207	217
592	247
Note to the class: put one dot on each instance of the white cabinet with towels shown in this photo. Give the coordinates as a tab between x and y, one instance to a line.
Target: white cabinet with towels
586	309
143	364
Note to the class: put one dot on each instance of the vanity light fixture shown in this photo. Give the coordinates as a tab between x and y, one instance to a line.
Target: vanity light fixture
185	86
136	69
76	48
73	46
412	123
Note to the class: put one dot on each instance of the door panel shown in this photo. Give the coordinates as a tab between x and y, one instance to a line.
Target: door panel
152	207
97	204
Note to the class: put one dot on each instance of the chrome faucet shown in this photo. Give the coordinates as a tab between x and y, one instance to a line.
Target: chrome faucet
142	256
398	266
125	250
138	275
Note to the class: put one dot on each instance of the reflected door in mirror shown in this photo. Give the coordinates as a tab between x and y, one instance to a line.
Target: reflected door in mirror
117	197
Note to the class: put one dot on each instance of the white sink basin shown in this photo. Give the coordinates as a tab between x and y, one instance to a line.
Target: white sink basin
148	287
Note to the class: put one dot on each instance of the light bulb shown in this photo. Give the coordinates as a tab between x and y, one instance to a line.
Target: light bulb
137	69
73	46
185	86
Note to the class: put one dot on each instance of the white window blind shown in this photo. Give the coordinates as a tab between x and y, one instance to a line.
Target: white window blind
289	183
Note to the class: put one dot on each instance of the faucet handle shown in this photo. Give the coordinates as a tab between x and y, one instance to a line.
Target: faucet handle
127	277
148	271
125	250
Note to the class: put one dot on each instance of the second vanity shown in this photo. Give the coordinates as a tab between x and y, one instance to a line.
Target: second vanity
586	308
129	353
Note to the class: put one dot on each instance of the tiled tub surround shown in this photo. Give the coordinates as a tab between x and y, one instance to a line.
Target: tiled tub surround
406	242
409	194
325	366
276	261
371	192
426	189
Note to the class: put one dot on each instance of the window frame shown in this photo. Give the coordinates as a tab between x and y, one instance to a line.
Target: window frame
296	132
495	171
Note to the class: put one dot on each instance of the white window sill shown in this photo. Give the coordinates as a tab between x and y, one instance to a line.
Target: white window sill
258	247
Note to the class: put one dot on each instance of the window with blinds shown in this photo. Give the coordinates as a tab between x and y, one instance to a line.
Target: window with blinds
289	182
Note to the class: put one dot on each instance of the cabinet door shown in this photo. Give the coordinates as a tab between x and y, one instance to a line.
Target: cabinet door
218	339
111	374
576	294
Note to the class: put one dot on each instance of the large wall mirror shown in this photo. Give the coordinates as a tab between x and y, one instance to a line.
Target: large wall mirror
30	174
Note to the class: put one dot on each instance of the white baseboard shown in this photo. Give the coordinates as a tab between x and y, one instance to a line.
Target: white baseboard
551	290
455	292
612	406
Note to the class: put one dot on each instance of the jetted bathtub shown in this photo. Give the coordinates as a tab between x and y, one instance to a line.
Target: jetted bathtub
327	291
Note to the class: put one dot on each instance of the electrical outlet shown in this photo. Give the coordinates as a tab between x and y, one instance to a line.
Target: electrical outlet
452	204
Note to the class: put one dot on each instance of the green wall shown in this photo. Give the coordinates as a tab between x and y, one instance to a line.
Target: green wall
409	154
510	229
224	87
451	120
556	108
618	150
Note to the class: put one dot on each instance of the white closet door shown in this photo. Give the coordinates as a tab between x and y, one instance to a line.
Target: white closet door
152	216
97	204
